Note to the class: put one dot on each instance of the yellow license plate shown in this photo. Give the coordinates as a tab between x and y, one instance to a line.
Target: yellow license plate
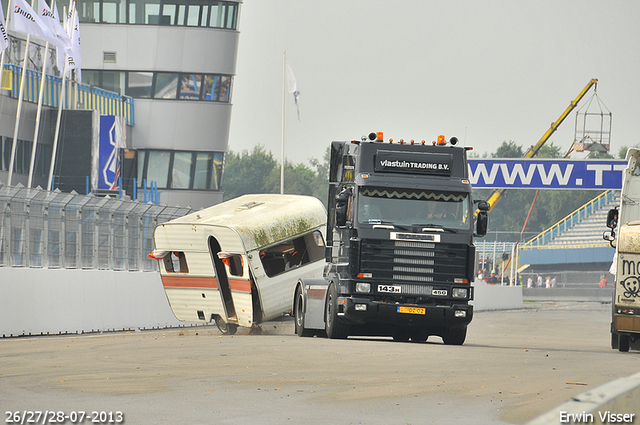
411	310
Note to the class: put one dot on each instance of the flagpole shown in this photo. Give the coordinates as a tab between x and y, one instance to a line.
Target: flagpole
284	91
38	113
14	143
57	131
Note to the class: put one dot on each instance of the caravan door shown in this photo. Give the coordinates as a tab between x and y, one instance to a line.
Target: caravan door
232	274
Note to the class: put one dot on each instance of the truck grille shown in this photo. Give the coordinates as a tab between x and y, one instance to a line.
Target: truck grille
413	262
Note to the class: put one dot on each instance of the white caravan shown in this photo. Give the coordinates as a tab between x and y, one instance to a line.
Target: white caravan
237	263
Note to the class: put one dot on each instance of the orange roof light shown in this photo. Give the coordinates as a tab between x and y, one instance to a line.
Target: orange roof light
379	136
441	140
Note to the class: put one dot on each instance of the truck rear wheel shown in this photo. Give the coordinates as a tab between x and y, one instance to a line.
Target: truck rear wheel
298	308
454	336
623	343
335	328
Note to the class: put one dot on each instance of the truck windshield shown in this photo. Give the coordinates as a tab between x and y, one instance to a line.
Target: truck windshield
414	208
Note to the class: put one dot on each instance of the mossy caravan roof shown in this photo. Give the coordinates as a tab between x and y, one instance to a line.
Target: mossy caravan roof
261	220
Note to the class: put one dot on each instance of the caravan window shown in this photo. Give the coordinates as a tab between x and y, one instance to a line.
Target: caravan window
175	262
292	254
234	262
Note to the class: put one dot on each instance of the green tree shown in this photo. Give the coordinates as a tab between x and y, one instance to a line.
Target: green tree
549	151
509	150
600	155
622	153
249	172
259	172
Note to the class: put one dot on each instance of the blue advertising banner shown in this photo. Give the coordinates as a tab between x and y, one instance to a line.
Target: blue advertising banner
111	141
597	174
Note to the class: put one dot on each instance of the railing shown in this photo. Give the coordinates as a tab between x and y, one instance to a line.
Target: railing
569	221
46	229
89	97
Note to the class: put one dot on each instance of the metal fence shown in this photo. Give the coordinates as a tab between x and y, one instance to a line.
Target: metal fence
52	229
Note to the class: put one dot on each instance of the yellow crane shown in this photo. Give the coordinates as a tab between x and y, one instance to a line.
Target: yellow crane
533	150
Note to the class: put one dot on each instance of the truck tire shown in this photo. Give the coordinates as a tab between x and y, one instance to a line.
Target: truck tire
623	343
333	325
298	314
614	341
454	336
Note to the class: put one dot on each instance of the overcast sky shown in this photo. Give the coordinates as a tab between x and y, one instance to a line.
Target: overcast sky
483	71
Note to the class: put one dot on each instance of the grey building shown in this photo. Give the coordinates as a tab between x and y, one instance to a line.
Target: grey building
177	59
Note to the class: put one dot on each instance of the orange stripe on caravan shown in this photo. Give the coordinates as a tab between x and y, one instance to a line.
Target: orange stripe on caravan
240	285
189	282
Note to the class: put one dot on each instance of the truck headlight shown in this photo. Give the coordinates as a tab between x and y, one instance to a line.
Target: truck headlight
460	292
460	313
363	287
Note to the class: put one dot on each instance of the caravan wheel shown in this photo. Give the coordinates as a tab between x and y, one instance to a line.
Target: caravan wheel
226	328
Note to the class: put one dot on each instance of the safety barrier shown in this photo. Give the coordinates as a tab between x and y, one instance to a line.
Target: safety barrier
617	401
52	229
89	97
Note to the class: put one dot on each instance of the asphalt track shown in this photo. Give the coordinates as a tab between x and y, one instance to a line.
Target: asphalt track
514	366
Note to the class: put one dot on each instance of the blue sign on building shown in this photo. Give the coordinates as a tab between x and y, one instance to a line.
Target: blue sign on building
600	174
111	141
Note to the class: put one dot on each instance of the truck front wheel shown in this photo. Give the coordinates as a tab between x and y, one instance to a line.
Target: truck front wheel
333	326
454	336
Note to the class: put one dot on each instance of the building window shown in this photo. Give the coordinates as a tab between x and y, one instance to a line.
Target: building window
162	85
202	175
166	85
180	169
194	13
181	172
114	11
190	86
157	169
138	84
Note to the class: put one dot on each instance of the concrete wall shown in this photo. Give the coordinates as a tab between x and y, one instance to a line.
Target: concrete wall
50	301
496	297
61	301
568	294
619	397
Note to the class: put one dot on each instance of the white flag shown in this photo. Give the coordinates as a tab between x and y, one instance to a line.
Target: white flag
25	19
52	20
73	27
293	88
4	40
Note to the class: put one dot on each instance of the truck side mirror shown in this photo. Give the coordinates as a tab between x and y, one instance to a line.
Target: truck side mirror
612	218
342	203
482	223
482	205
